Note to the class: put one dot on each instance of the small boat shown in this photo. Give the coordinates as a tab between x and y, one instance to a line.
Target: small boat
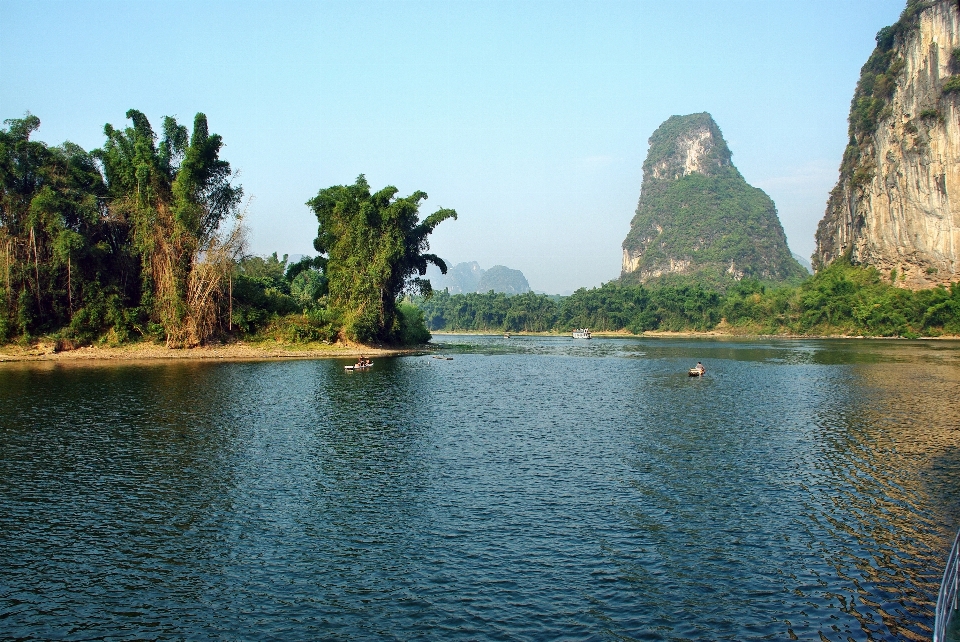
359	367
506	335
581	333
697	372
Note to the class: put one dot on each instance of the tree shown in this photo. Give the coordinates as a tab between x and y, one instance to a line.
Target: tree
375	247
175	196
59	260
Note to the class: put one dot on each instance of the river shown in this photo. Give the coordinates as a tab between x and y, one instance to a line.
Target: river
532	488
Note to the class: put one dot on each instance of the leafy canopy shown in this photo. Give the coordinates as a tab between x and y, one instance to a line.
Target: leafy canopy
175	195
375	248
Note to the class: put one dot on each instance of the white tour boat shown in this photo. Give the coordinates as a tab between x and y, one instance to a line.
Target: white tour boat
581	333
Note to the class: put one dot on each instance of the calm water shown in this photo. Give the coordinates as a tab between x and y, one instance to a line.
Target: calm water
529	489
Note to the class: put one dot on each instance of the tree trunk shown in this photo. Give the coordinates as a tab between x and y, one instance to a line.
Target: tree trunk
36	267
69	286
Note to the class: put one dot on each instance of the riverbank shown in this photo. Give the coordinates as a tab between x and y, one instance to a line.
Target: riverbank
239	351
272	350
723	333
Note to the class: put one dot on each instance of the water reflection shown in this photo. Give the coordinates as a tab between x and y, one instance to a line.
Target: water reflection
532	488
112	477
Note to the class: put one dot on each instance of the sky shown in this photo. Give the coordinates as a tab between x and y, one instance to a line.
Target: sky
529	118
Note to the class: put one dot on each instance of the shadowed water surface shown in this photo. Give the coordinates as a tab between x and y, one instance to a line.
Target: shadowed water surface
532	488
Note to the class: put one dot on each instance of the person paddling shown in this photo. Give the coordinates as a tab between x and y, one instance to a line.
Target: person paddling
700	368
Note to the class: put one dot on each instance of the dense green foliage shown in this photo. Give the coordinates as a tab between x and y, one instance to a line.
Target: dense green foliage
63	258
715	221
174	196
125	240
841	299
375	250
134	240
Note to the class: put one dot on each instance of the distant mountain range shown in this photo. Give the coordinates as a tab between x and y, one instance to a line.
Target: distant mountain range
464	278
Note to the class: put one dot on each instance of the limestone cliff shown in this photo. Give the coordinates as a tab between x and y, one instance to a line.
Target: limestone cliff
896	205
698	219
464	278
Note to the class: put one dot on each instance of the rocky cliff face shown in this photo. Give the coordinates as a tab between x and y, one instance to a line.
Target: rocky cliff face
897	203
697	218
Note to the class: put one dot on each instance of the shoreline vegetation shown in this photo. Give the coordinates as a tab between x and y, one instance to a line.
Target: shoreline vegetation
141	244
49	352
142	241
842	300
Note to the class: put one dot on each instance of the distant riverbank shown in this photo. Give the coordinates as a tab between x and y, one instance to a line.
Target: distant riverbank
272	350
720	332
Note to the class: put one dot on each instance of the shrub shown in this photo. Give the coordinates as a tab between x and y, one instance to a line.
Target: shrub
952	85
413	330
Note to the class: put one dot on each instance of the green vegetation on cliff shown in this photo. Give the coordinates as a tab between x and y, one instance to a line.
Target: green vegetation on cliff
871	98
871	102
714	222
698	221
666	148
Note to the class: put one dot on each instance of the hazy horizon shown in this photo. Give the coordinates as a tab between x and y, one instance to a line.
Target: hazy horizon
530	119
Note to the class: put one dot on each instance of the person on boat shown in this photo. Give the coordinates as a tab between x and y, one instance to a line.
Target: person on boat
361	363
700	369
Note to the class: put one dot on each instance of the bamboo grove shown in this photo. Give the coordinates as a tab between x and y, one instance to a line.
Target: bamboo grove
143	239
128	238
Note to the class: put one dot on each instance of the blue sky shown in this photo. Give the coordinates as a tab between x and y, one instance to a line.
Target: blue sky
531	119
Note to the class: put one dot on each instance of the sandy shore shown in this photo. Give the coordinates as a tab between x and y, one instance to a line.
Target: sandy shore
265	351
240	351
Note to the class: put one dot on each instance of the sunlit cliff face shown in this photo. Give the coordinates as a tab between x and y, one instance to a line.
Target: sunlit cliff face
898	209
692	154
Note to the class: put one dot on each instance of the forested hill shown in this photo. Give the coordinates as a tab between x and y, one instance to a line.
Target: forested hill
698	221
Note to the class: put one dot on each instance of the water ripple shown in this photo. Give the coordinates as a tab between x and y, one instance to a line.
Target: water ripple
531	488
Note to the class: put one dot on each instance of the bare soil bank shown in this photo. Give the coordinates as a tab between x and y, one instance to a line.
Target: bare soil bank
269	350
239	351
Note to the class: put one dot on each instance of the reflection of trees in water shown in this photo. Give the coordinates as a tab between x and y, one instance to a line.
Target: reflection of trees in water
883	479
130	481
369	441
780	493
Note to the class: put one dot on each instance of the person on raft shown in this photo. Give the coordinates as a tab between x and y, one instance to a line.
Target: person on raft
700	367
